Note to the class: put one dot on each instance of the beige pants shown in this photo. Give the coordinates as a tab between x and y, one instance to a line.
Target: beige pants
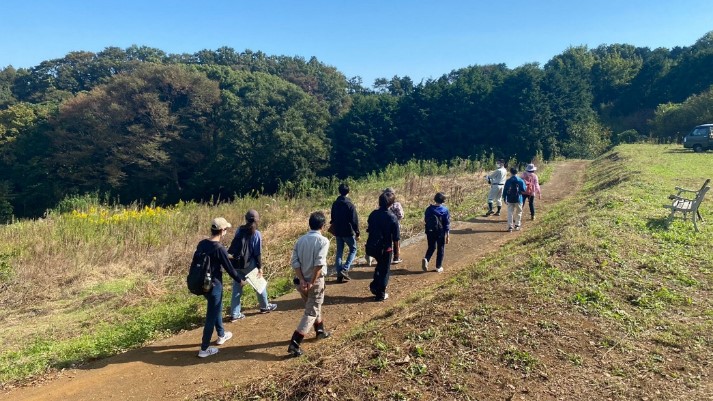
313	306
496	194
514	214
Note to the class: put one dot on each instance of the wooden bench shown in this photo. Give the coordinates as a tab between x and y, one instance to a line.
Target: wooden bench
687	201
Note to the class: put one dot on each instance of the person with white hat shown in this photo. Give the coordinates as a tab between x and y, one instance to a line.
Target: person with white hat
533	187
219	260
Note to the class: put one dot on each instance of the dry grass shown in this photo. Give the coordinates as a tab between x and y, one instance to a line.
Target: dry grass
70	272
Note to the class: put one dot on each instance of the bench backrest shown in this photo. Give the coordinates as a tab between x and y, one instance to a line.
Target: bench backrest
699	197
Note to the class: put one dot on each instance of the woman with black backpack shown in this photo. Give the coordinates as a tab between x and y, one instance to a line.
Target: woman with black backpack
218	260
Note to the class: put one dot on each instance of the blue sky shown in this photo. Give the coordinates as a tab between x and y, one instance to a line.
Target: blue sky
372	39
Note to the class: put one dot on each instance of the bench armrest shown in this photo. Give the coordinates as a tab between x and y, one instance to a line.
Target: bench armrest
679	189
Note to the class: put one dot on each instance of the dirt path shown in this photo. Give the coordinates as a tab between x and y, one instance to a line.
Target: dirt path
169	369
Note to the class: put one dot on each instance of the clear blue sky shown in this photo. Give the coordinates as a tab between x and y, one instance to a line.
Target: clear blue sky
369	38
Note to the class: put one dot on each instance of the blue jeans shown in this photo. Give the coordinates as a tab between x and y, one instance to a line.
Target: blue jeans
235	299
351	243
213	315
438	240
381	275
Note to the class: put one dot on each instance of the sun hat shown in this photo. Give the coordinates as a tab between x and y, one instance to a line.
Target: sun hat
530	168
219	223
252	215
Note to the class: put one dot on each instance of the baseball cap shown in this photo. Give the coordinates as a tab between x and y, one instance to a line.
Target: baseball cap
219	223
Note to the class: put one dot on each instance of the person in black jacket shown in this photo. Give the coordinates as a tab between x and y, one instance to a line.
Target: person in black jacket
219	260
383	229
345	228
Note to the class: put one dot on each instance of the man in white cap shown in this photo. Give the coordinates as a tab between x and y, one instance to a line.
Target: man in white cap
496	179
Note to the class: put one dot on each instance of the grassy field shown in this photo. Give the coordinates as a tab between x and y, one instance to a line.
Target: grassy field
599	301
91	280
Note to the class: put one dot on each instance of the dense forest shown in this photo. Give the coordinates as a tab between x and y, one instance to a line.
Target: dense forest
138	124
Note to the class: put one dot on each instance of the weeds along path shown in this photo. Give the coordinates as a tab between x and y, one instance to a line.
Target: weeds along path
169	369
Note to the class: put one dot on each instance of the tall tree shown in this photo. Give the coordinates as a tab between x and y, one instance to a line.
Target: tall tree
141	135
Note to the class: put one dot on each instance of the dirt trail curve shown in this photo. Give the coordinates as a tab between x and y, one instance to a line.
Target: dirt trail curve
169	369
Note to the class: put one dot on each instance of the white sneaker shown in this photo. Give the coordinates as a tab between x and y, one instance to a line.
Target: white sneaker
386	296
424	264
208	352
227	336
440	269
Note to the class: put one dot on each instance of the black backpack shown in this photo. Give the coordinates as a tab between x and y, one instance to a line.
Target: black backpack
239	248
434	225
513	194
375	244
199	280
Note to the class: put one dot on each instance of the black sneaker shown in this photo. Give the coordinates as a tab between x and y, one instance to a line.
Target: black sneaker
345	276
497	213
488	213
294	351
321	335
340	278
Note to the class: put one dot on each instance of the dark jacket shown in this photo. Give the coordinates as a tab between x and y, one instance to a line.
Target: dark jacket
345	221
383	223
254	245
442	213
218	261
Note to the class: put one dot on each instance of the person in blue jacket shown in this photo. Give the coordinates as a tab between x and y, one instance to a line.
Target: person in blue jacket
438	226
512	193
248	244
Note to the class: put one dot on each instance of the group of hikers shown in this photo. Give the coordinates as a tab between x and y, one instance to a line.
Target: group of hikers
309	255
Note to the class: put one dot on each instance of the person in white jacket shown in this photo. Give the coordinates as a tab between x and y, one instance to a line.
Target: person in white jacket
496	179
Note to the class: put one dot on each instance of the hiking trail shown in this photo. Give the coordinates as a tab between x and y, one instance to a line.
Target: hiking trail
169	368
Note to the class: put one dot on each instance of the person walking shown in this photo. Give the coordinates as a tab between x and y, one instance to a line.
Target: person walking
398	211
514	187
219	260
344	225
437	220
247	246
496	179
309	264
383	229
532	182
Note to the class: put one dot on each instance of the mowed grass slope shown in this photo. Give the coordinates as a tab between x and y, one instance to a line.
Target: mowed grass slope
599	301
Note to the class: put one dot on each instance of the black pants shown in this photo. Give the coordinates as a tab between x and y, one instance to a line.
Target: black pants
436	240
381	275
531	202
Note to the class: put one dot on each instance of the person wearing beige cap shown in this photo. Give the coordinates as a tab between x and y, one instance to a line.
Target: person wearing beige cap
247	246
219	260
533	187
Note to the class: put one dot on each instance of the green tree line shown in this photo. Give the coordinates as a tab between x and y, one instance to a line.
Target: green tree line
139	124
